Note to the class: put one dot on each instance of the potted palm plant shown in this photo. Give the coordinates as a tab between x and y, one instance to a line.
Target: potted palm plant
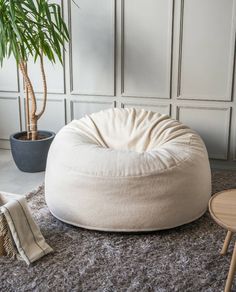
32	29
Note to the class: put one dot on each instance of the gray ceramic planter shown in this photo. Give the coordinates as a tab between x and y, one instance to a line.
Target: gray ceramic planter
31	156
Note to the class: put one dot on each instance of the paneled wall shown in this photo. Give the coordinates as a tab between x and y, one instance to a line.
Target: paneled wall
174	57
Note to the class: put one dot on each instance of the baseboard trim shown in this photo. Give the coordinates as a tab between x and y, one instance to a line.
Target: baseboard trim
226	165
5	144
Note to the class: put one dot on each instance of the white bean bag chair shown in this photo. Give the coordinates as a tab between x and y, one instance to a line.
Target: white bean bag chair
127	170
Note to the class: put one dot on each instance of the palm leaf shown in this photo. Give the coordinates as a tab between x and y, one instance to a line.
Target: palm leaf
29	27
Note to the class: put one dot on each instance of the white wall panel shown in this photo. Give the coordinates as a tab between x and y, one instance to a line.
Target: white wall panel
92	49
10	119
212	124
82	108
207	49
9	76
147	27
159	108
54	74
175	57
54	117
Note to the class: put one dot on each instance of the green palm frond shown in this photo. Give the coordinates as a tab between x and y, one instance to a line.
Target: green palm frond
31	27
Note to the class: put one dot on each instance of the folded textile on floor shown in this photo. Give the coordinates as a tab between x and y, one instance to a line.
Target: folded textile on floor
19	233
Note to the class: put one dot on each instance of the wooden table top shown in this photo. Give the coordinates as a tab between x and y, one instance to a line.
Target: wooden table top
222	207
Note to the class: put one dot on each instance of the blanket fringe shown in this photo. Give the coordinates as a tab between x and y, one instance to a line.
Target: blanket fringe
7	246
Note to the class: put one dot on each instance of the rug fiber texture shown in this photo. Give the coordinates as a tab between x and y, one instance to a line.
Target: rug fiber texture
186	258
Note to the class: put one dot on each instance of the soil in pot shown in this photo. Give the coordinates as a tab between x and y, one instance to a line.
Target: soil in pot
25	138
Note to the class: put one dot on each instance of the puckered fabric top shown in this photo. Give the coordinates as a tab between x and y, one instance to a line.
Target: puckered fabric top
126	142
127	170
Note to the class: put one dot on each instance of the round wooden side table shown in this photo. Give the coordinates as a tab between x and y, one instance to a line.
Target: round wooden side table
222	207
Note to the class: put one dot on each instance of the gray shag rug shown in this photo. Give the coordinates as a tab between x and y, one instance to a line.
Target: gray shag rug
181	259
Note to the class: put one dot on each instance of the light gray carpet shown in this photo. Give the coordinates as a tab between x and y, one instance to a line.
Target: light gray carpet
182	259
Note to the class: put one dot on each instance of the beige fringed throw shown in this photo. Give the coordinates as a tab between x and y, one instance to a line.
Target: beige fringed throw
19	234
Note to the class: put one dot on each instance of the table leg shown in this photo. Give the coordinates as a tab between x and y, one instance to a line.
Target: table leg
232	268
226	242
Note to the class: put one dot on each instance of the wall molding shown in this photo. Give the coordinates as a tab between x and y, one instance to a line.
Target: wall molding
231	66
49	100
72	102
227	126
19	118
17	83
159	95
147	105
79	92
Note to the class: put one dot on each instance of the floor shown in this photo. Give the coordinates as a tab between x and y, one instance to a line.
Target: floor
15	181
185	258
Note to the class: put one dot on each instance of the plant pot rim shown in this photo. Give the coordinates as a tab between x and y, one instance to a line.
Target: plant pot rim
52	135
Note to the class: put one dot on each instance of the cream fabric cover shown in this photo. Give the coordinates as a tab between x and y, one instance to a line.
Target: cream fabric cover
127	170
